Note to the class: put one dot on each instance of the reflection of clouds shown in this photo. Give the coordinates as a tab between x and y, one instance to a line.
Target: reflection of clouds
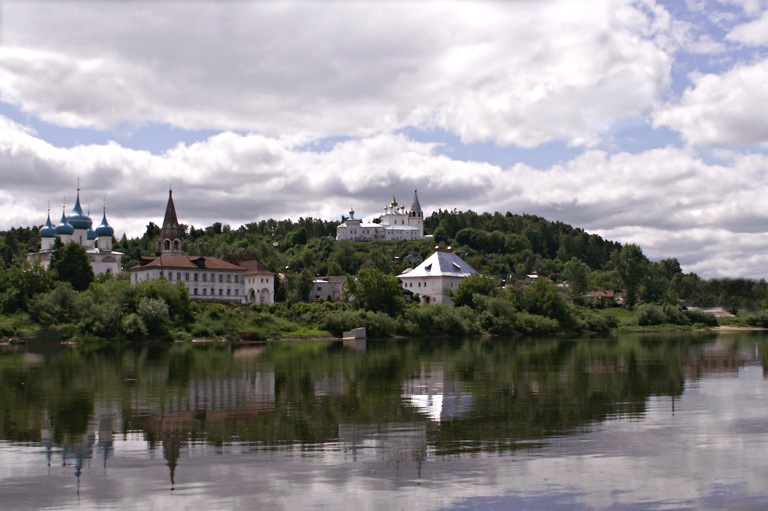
707	452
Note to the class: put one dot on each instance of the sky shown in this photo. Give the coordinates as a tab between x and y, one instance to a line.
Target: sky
642	121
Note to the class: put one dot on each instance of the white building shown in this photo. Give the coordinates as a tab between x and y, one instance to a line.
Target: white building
396	224
206	278
328	288
432	279
78	227
223	279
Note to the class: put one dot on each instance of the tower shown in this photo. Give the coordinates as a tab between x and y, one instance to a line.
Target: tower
416	216
171	242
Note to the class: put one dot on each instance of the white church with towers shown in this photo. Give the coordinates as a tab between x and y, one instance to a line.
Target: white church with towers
397	223
77	226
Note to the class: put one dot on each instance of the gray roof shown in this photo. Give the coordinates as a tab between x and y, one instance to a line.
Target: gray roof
441	264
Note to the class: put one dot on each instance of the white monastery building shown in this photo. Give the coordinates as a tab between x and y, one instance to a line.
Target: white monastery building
222	279
396	224
435	276
78	227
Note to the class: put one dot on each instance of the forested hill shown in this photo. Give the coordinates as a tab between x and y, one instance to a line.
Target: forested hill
494	243
491	243
498	244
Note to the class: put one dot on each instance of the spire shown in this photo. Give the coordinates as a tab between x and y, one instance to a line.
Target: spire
416	207
170	235
170	222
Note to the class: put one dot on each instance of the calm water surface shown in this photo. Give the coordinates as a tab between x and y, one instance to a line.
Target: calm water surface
633	422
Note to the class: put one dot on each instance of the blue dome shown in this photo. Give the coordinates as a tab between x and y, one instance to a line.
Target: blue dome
64	227
104	229
48	231
77	218
91	234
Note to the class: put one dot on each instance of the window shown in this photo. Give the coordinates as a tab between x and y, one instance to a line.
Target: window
221	291
221	277
195	277
237	291
205	291
318	288
262	280
236	278
186	277
205	277
228	292
229	278
195	291
178	275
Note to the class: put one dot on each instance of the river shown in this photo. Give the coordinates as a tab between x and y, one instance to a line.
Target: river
633	422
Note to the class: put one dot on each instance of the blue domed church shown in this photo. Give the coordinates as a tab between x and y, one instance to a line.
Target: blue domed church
77	226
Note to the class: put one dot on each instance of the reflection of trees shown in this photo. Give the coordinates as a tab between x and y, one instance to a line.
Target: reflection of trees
474	395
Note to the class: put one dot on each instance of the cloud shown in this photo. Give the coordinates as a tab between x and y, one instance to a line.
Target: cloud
668	200
754	33
721	109
518	73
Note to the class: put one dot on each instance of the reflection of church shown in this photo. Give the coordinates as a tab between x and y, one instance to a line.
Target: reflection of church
78	227
436	395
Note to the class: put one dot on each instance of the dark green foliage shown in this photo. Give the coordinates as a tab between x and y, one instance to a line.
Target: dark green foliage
438	319
154	314
476	283
601	323
576	274
70	264
631	266
698	317
542	298
20	284
376	291
377	324
650	315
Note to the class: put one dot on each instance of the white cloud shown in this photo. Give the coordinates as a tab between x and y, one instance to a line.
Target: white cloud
513	72
721	109
669	201
754	33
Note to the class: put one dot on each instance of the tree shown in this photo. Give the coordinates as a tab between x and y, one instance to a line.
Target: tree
476	283
631	267
71	265
576	274
376	291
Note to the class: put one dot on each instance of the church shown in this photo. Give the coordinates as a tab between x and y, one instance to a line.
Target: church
221	279
396	224
78	227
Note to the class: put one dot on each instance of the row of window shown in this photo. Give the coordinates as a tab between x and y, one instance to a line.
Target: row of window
221	292
195	276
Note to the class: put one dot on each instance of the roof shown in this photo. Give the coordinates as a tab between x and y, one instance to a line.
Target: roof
441	264
415	207
170	229
179	261
251	266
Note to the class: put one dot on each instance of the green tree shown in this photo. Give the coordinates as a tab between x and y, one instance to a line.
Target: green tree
576	274
476	283
376	291
71	265
631	267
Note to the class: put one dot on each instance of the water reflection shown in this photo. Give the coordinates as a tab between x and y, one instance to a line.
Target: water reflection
384	410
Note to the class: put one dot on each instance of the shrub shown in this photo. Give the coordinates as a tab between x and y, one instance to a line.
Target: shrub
154	315
133	327
377	324
437	319
649	315
533	324
701	318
